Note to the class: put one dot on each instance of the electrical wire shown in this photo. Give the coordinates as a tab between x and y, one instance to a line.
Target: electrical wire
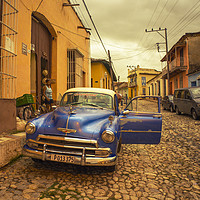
185	25
169	13
160	13
94	26
39	5
189	12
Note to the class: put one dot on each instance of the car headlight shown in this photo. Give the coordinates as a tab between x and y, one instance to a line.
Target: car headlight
108	136
30	128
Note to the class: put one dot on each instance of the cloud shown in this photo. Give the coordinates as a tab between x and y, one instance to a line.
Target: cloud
122	23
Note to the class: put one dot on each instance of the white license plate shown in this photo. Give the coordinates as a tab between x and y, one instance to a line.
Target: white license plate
62	158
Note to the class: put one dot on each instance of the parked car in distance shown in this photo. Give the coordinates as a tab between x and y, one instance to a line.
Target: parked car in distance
187	100
88	128
168	103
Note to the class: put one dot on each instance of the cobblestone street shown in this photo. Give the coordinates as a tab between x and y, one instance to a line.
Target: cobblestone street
166	171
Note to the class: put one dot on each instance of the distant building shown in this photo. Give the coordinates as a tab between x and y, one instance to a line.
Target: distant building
101	74
184	62
122	88
156	86
137	80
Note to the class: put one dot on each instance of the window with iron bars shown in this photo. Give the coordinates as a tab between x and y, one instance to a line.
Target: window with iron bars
8	32
74	69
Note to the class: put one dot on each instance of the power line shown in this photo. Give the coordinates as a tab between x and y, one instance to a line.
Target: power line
169	13
160	13
150	48
94	26
189	12
185	25
39	5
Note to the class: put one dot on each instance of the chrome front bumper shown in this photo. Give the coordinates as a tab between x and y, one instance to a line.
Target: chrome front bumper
78	160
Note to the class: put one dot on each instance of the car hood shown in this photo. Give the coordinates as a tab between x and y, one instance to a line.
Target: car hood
82	122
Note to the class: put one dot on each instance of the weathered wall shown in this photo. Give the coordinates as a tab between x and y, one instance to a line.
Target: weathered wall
62	23
7	114
193	54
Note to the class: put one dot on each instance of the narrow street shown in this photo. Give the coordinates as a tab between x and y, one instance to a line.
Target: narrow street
166	171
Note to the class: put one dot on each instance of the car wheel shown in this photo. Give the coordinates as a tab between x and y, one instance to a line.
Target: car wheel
171	109
119	147
194	114
177	111
27	113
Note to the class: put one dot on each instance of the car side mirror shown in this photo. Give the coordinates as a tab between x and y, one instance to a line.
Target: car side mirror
126	112
54	107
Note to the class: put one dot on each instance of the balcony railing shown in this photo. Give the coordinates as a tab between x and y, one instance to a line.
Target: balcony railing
174	68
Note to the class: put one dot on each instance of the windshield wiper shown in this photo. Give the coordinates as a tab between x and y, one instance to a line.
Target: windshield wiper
91	104
74	103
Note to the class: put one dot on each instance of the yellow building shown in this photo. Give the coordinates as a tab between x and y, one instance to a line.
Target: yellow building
137	80
101	74
157	86
39	40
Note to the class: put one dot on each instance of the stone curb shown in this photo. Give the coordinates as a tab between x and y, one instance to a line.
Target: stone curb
11	147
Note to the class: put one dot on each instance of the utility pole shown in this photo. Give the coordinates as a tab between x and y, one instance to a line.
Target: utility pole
111	71
166	43
118	83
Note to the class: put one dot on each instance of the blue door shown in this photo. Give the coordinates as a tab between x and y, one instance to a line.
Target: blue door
141	123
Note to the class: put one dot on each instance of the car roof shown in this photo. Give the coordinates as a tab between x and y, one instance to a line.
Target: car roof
96	90
188	88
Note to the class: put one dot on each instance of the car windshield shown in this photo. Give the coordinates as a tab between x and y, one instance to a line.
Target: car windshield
87	99
195	92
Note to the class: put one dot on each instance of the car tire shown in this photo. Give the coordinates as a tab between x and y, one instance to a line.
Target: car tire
119	147
171	109
194	114
177	111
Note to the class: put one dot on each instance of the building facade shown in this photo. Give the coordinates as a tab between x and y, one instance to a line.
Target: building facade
122	88
101	73
156	86
137	80
40	40
184	62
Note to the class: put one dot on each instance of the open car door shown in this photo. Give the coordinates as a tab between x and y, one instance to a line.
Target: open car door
141	121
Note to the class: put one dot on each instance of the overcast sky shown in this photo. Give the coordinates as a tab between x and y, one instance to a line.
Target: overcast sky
122	23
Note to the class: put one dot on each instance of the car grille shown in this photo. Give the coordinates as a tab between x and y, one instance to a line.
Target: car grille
66	145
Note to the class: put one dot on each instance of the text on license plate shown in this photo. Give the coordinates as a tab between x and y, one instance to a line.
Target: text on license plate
62	158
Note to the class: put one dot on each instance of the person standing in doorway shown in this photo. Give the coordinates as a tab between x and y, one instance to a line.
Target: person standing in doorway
47	92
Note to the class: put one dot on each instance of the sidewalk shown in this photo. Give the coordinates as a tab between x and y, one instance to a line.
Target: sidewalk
11	147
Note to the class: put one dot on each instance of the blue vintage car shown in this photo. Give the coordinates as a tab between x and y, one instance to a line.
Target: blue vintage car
87	128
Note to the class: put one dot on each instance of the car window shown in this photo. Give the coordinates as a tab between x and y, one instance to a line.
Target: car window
87	99
176	94
179	94
182	94
187	95
144	104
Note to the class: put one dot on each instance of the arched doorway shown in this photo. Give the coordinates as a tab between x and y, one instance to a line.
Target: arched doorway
41	54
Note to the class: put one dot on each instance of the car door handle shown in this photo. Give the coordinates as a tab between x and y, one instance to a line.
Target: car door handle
157	116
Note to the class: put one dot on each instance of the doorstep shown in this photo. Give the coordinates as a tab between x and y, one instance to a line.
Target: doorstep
11	147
